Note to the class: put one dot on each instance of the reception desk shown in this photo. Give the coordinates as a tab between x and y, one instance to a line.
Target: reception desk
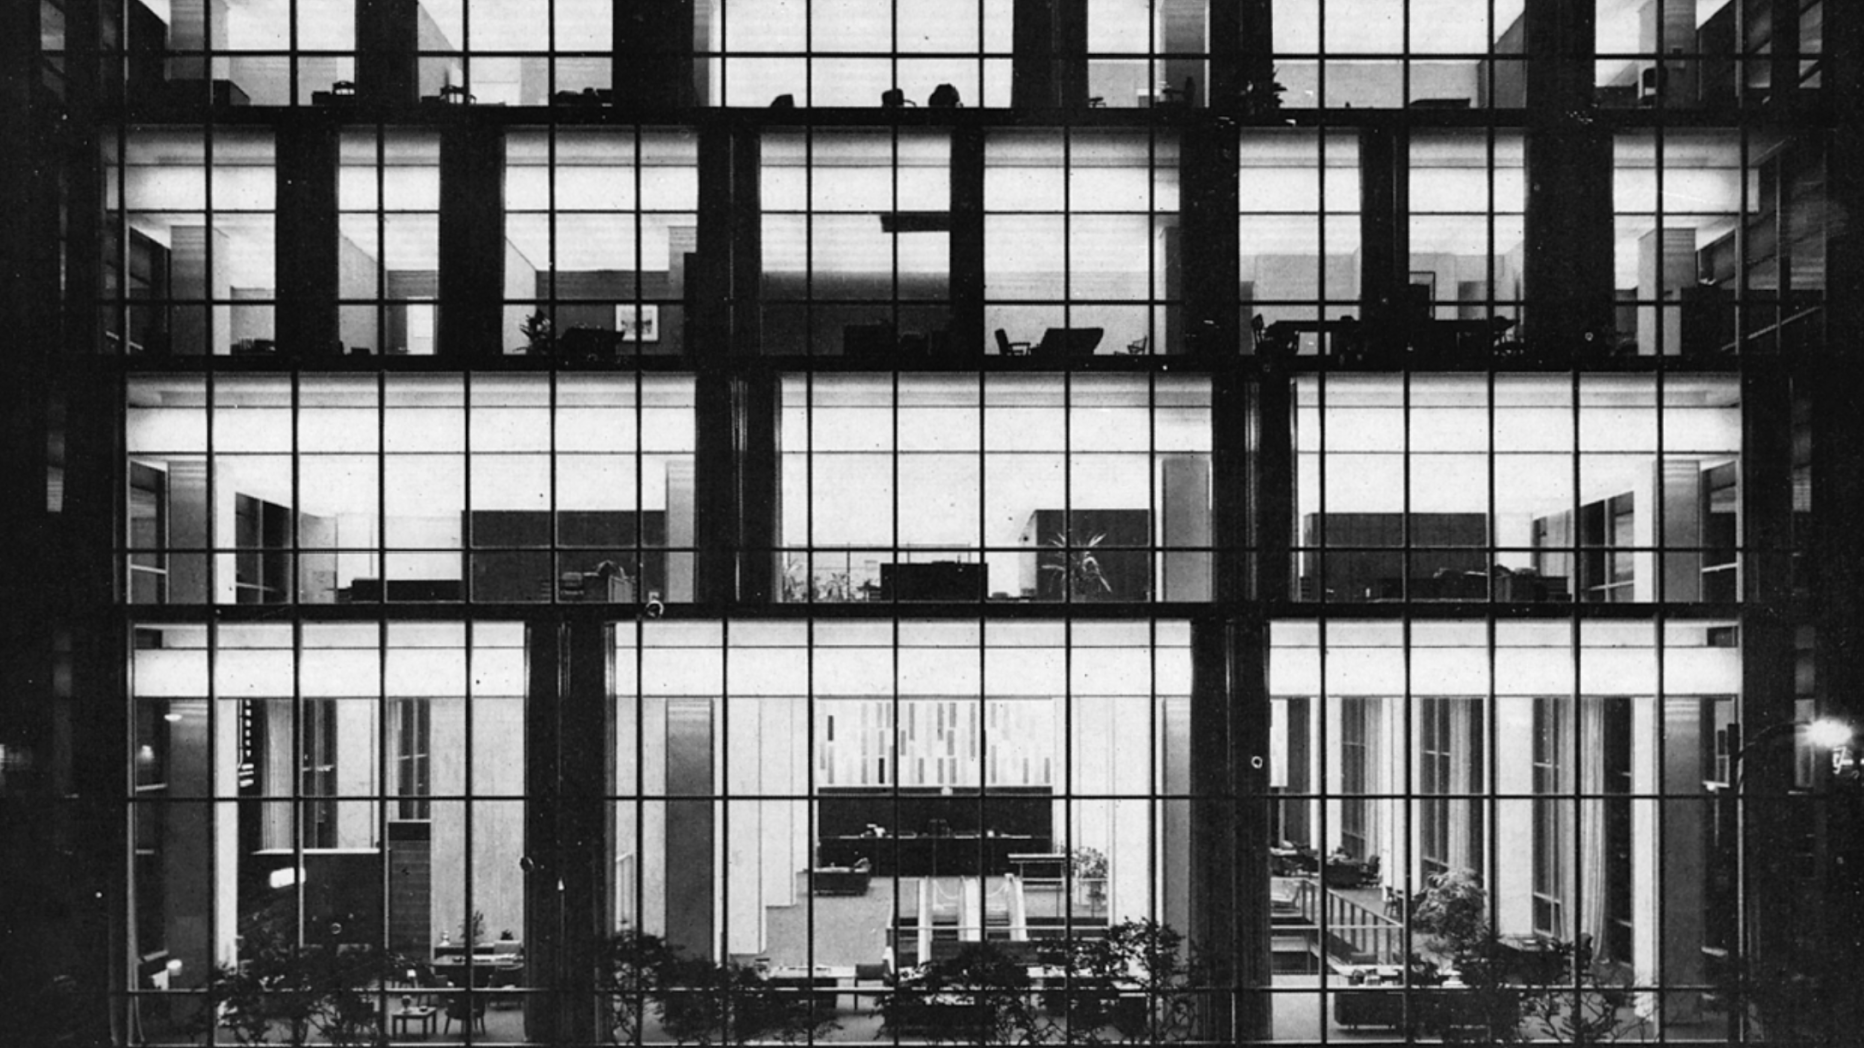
956	855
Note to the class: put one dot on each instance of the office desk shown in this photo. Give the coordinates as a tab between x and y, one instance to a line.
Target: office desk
957	855
425	1015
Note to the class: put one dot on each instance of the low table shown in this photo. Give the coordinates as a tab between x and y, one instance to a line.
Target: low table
408	1016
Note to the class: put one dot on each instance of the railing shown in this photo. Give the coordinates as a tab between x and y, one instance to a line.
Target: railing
1051	899
1363	935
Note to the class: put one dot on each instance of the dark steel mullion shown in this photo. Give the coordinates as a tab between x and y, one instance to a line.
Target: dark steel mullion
1565	745
380	304
893	747
1409	844
117	168
1069	542
469	788
292	59
1320	95
381	492
1743	316
387	790
982	63
1489	815
209	222
721	780
810	793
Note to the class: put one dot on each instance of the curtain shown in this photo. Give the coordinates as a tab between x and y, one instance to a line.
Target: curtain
1591	766
1463	779
281	768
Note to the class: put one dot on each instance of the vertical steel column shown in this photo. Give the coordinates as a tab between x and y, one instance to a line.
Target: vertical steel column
1560	43
306	244
653	54
1248	760
1770	819
547	915
584	772
1836	558
62	835
967	242
1242	53
1215	874
715	344
1568	265
567	843
756	417
1048	54
1384	231
1208	242
472	240
84	860
388	35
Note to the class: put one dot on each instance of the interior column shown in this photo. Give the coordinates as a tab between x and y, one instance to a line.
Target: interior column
1834	385
306	244
654	61
388	52
1210	265
1049	54
1568	268
472	241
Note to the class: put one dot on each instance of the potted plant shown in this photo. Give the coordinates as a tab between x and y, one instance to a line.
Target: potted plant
981	996
472	930
297	990
697	1001
1453	917
1077	567
538	338
1089	867
1132	984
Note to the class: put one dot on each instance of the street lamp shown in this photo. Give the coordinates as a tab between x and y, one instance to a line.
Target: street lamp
1822	733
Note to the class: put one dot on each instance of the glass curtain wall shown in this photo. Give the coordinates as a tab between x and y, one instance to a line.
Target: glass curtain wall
1445	54
188	256
1561	770
388	240
855	797
1083	249
601	227
357	489
1080	488
851	52
339	785
857	228
1518	488
1298	231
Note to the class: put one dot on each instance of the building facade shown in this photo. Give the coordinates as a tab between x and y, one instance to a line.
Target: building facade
832	488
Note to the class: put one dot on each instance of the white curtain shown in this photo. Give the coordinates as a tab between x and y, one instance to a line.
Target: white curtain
1591	765
1464	814
281	767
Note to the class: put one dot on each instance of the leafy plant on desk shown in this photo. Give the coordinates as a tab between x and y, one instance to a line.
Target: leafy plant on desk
1453	916
697	1001
1133	984
297	989
538	337
1077	567
981	996
472	930
631	979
